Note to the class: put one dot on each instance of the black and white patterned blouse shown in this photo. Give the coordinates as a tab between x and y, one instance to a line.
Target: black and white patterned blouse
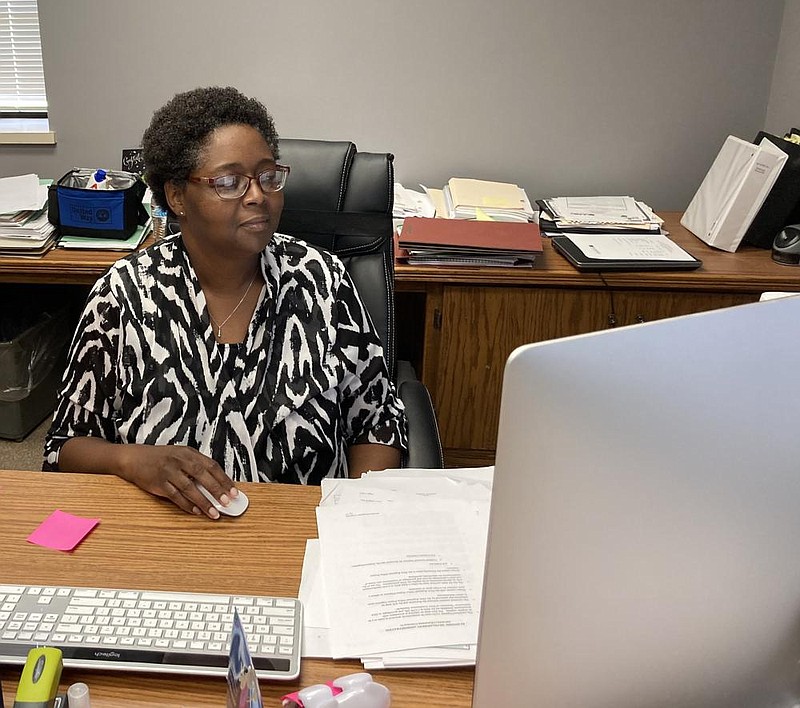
308	381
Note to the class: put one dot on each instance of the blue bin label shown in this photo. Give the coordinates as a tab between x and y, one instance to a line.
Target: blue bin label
90	209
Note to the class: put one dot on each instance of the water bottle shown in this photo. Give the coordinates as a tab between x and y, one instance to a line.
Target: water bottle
158	214
98	180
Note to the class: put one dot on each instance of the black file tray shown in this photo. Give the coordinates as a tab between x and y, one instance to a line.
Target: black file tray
782	205
574	255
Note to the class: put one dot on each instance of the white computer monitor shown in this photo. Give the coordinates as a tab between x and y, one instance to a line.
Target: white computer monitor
644	544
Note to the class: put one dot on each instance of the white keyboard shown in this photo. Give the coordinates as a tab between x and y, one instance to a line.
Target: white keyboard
143	630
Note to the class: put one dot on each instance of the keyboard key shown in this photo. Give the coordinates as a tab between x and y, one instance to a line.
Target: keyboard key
80	601
282	621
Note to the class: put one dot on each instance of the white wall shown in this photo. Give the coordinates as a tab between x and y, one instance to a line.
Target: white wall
560	96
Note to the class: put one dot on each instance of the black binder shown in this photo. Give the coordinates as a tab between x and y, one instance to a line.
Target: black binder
564	246
782	205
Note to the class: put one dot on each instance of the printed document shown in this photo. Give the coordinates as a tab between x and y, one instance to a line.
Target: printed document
401	579
598	210
630	247
397	573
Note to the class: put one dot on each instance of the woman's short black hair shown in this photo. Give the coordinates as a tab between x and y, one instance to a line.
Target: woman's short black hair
173	143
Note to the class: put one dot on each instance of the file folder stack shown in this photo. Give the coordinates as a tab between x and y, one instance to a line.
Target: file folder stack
484	200
108	244
618	215
424	241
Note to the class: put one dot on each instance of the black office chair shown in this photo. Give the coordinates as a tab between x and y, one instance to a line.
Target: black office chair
340	199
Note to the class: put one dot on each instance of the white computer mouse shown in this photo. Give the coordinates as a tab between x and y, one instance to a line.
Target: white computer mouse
237	505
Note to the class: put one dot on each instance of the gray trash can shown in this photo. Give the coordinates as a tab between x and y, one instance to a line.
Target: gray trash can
33	342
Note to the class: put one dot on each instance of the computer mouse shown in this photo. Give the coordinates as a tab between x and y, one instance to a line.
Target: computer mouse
786	246
237	506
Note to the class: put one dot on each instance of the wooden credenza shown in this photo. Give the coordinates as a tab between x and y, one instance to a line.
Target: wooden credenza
459	325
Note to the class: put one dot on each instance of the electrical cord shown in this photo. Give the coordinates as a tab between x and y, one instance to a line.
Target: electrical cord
612	315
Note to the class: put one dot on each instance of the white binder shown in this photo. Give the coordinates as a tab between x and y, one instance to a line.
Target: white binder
733	191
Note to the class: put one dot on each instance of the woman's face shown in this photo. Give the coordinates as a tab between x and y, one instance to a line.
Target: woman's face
244	225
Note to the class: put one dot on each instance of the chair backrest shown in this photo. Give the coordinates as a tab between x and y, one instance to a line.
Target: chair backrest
340	199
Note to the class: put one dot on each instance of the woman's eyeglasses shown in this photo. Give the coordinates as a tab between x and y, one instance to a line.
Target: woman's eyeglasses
235	186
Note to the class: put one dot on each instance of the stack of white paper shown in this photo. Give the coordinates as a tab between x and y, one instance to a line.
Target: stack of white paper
396	575
407	202
616	214
24	228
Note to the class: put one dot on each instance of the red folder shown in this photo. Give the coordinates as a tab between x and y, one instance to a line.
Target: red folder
480	237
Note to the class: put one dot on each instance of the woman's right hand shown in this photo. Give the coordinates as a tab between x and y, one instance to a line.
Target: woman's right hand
168	471
172	471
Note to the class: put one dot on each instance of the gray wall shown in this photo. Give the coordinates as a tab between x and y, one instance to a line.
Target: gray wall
560	96
783	111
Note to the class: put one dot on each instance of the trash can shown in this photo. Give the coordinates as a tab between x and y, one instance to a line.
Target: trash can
35	330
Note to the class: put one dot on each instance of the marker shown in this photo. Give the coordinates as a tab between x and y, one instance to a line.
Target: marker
41	674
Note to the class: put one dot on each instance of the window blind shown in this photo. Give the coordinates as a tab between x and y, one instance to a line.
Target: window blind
21	74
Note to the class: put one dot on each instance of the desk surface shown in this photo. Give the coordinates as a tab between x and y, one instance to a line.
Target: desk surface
749	269
142	542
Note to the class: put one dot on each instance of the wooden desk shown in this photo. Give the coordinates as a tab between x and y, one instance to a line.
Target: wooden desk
72	266
142	542
458	325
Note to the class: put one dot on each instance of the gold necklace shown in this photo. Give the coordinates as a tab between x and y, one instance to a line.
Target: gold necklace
220	325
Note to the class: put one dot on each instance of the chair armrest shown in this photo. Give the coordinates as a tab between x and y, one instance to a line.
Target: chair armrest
424	445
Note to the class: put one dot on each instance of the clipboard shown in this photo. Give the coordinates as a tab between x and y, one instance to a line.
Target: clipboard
564	246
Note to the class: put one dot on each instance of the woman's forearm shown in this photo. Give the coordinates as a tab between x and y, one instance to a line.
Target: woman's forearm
371	456
91	455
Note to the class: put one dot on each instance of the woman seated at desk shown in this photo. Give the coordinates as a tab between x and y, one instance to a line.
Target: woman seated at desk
228	352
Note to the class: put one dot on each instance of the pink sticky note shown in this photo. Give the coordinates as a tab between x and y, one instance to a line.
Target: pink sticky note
62	531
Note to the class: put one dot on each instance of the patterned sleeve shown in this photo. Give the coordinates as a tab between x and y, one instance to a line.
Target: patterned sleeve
372	411
89	386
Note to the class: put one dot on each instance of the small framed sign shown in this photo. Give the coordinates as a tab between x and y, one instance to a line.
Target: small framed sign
132	160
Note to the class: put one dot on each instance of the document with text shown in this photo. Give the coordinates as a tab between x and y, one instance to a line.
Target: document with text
654	247
400	579
397	573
